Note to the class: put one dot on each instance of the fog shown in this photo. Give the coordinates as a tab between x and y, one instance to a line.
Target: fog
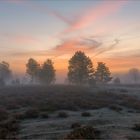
19	79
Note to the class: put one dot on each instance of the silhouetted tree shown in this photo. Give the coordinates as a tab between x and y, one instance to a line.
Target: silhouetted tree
80	68
102	74
47	73
117	80
5	72
134	74
32	68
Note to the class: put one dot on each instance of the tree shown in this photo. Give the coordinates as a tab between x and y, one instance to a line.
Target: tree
102	74
134	74
5	72
80	68
47	72
32	68
117	80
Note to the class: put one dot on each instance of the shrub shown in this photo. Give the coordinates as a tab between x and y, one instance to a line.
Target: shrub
86	132
130	111
19	116
31	113
75	125
9	129
136	127
115	108
85	114
62	115
3	114
44	115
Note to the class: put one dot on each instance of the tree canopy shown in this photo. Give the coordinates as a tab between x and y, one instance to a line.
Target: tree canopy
117	80
44	74
32	68
80	68
47	72
102	74
5	72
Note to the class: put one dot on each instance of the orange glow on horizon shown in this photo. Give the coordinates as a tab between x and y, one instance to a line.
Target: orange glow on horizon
116	65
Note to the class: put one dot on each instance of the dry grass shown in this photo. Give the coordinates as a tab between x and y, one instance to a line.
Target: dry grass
60	97
39	101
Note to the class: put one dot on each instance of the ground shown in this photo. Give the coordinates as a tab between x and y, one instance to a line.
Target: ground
113	125
114	110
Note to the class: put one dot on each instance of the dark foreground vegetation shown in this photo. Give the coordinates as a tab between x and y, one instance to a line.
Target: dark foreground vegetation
86	132
59	97
22	103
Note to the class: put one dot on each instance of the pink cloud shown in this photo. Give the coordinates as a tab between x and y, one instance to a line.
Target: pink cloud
93	15
86	19
72	45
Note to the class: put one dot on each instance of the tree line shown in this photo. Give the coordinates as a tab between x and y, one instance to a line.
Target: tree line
43	73
80	71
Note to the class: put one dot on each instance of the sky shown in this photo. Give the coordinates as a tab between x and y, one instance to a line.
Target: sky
106	30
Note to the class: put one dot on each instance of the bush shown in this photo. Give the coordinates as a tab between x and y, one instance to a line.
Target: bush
85	114
86	132
62	115
75	125
9	129
136	127
19	116
115	108
31	113
131	111
44	115
3	114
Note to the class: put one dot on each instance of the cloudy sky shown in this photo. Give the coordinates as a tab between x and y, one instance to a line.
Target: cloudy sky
105	30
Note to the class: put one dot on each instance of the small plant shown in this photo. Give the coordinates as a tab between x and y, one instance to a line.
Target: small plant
75	125
9	129
44	115
19	116
86	132
62	115
85	114
131	111
115	108
136	127
3	114
31	113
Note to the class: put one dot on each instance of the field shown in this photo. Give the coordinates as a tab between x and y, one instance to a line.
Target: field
53	112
